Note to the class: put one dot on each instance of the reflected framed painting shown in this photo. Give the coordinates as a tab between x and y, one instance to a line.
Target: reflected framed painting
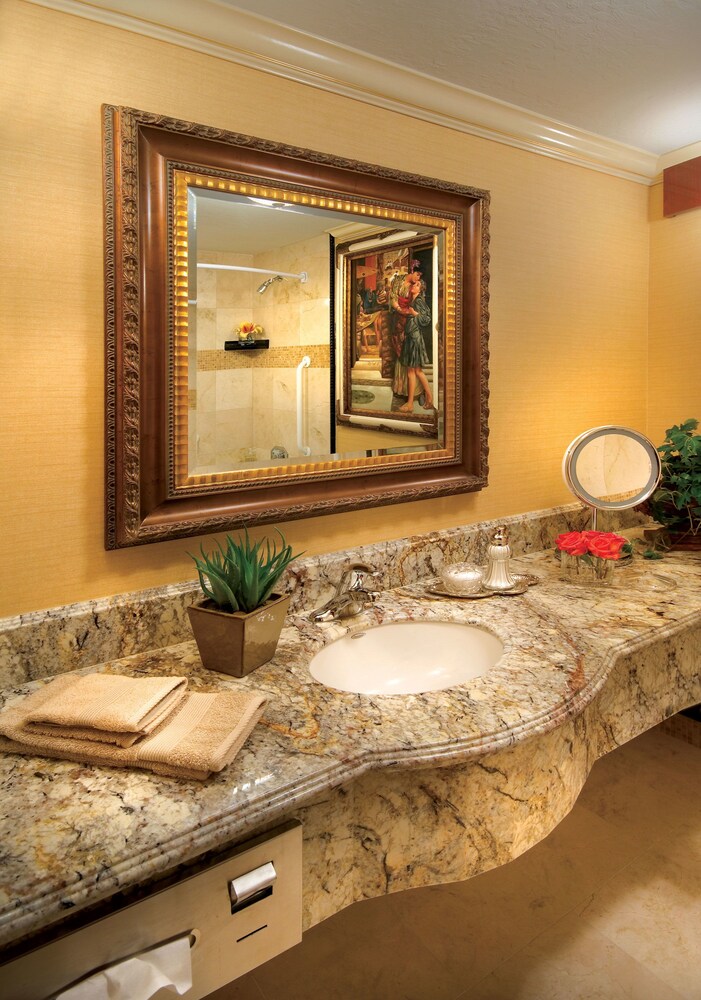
390	318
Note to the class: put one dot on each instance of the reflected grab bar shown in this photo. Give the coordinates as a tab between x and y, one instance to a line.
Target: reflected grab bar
304	449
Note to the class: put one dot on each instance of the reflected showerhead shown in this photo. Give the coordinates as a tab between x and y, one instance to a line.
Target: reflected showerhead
267	283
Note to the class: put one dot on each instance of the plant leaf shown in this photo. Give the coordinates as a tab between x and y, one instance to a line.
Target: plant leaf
241	574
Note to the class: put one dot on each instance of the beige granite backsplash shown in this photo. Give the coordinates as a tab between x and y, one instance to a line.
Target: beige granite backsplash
43	643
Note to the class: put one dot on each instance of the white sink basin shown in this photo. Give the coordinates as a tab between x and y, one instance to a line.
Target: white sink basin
406	658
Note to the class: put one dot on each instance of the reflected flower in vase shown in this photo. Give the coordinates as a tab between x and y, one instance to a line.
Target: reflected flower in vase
248	331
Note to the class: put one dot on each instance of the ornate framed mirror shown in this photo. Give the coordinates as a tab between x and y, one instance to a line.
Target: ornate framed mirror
289	333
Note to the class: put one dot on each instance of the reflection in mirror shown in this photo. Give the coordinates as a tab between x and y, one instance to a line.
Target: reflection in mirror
611	468
391	304
260	273
265	364
322	386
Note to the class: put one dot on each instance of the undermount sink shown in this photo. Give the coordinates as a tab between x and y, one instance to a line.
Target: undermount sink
406	658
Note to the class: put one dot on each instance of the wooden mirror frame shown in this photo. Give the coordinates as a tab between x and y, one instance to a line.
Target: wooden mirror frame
141	150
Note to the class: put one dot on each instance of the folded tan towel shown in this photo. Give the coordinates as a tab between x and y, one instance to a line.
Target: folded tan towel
201	735
109	708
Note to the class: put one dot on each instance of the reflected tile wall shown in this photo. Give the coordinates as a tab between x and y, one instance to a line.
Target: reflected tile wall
224	300
255	398
207	285
234	437
205	439
294	313
206	392
206	319
297	312
234	389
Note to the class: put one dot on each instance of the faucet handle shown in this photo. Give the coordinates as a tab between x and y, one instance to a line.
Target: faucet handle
352	594
356	577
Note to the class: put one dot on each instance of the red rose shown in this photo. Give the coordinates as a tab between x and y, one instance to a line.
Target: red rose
574	543
606	544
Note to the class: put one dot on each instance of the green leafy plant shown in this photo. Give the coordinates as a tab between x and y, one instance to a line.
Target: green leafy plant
676	503
240	575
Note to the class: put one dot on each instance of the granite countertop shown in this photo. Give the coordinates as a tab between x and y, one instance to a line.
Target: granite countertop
73	835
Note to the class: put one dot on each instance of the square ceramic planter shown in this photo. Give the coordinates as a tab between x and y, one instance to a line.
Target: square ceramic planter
236	643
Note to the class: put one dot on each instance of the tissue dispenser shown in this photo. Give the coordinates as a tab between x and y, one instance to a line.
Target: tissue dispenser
239	912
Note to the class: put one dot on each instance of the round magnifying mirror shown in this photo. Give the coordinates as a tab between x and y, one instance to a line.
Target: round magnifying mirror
611	468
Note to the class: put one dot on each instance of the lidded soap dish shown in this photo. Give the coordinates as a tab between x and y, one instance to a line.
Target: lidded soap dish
462	578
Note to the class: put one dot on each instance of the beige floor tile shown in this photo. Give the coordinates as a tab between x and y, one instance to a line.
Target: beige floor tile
680	764
684	847
571	962
648	787
244	988
360	954
662	753
652	910
474	926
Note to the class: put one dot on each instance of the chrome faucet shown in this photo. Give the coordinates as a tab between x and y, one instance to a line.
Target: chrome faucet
352	595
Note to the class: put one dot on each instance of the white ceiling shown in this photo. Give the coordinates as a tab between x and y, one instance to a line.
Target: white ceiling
230	224
629	70
609	85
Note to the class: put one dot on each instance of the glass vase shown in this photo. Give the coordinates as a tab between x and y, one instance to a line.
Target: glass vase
587	570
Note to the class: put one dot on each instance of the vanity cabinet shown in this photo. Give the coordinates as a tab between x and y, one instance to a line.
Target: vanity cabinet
236	915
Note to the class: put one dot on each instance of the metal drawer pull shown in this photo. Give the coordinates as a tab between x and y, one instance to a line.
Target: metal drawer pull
252	887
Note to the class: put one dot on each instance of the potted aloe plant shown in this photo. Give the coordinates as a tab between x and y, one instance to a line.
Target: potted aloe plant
676	503
237	626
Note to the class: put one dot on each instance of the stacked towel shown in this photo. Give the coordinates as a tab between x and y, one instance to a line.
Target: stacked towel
196	735
108	708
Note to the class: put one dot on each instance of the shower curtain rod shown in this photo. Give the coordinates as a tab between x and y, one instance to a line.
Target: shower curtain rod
256	270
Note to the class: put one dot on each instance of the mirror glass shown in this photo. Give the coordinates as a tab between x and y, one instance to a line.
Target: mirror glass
270	284
611	467
288	333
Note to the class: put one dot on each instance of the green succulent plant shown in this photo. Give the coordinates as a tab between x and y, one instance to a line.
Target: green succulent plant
676	503
240	575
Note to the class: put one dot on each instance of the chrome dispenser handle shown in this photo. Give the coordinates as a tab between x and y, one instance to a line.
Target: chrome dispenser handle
252	886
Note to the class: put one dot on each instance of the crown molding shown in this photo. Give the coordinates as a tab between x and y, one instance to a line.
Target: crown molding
680	155
216	29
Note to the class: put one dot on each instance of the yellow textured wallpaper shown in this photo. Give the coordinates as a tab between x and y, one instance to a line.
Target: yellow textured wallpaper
569	284
675	317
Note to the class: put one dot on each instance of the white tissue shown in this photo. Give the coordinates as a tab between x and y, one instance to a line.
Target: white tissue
140	977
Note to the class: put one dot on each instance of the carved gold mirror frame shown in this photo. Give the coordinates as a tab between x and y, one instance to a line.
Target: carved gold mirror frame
152	494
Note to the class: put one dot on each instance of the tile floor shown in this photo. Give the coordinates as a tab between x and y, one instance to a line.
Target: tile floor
607	907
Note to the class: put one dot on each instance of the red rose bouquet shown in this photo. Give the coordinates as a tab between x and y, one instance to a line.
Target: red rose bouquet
590	554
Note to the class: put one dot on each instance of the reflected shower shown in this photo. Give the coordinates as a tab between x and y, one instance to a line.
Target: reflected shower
276	276
267	283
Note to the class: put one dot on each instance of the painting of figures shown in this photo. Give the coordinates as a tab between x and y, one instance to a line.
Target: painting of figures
390	332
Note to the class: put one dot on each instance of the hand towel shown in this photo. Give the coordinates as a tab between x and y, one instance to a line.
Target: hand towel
200	736
109	708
